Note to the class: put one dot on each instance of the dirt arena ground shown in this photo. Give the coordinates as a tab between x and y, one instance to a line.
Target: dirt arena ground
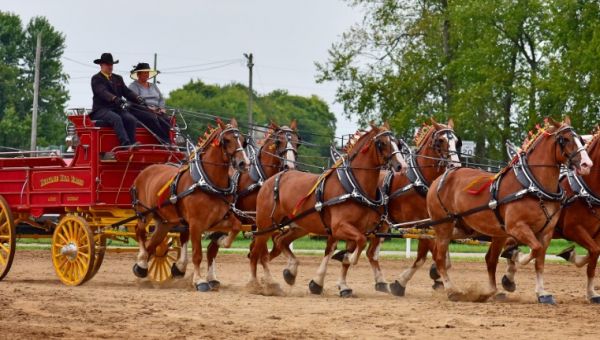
34	304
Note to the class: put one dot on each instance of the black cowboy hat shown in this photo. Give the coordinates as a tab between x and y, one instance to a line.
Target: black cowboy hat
106	58
142	67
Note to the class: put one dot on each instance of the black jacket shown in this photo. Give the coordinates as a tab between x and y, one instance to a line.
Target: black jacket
107	92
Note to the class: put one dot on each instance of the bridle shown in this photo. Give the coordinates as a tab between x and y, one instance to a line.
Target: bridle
379	146
562	143
445	157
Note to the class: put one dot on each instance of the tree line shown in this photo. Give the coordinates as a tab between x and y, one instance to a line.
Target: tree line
496	67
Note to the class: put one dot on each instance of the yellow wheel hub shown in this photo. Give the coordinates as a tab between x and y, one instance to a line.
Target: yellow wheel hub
73	250
7	238
167	253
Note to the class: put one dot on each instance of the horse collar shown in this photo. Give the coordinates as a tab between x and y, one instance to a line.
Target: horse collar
203	182
581	189
528	181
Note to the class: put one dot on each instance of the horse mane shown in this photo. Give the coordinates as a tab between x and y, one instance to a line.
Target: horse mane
595	137
423	133
208	136
353	139
534	135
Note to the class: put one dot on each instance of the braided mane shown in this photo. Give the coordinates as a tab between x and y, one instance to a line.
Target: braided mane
532	136
595	137
353	139
422	134
208	135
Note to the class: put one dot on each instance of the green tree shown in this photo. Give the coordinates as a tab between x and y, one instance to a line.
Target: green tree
17	55
316	123
497	67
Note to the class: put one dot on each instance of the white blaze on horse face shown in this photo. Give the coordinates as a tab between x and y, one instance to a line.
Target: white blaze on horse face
290	159
398	158
585	163
244	155
454	160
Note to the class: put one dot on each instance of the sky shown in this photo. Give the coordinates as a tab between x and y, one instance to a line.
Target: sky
286	38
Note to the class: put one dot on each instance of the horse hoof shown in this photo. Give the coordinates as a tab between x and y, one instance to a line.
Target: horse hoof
433	272
595	299
546	299
175	272
203	287
339	256
289	278
566	253
437	285
509	252
508	285
315	288
397	289
214	284
139	271
382	287
346	293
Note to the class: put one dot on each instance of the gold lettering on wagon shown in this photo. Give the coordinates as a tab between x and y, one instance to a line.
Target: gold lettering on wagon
62	179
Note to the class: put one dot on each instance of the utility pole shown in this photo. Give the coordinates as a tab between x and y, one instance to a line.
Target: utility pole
36	92
154	80
250	64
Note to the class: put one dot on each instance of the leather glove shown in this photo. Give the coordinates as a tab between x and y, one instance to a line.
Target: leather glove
141	100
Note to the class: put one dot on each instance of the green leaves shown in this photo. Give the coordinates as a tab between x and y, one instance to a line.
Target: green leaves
316	123
17	52
498	67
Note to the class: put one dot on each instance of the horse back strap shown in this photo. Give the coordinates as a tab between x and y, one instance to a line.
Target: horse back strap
319	193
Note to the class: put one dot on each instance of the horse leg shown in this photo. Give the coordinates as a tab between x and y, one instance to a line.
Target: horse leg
440	255
282	244
179	267
140	268
316	284
580	235
491	260
543	296
346	231
593	253
211	274
508	279
373	249
199	283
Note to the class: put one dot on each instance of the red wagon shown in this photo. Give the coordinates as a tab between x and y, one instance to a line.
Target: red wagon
77	199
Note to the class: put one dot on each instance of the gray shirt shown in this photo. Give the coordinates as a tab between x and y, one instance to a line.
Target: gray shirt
151	93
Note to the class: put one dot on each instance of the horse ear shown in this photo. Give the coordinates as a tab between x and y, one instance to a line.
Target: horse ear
373	126
553	122
220	123
294	125
451	123
273	125
567	120
434	123
233	123
386	125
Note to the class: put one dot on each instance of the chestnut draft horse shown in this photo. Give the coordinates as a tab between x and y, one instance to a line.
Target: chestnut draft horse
437	149
345	207
277	152
199	195
523	204
579	221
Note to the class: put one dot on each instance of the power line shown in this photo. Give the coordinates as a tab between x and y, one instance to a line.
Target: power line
203	64
202	69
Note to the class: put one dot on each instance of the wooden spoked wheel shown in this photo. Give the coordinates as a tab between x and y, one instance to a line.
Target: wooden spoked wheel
7	238
99	249
167	253
73	250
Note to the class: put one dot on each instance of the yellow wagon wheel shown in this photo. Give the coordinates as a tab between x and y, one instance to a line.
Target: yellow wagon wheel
7	238
73	250
167	253
99	249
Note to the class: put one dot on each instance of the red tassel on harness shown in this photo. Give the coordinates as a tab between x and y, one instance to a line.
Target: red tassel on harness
481	188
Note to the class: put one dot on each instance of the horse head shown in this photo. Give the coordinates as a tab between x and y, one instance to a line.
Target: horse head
232	143
385	147
569	148
283	142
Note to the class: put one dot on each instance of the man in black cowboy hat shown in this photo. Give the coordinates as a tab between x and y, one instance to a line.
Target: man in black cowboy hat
108	103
